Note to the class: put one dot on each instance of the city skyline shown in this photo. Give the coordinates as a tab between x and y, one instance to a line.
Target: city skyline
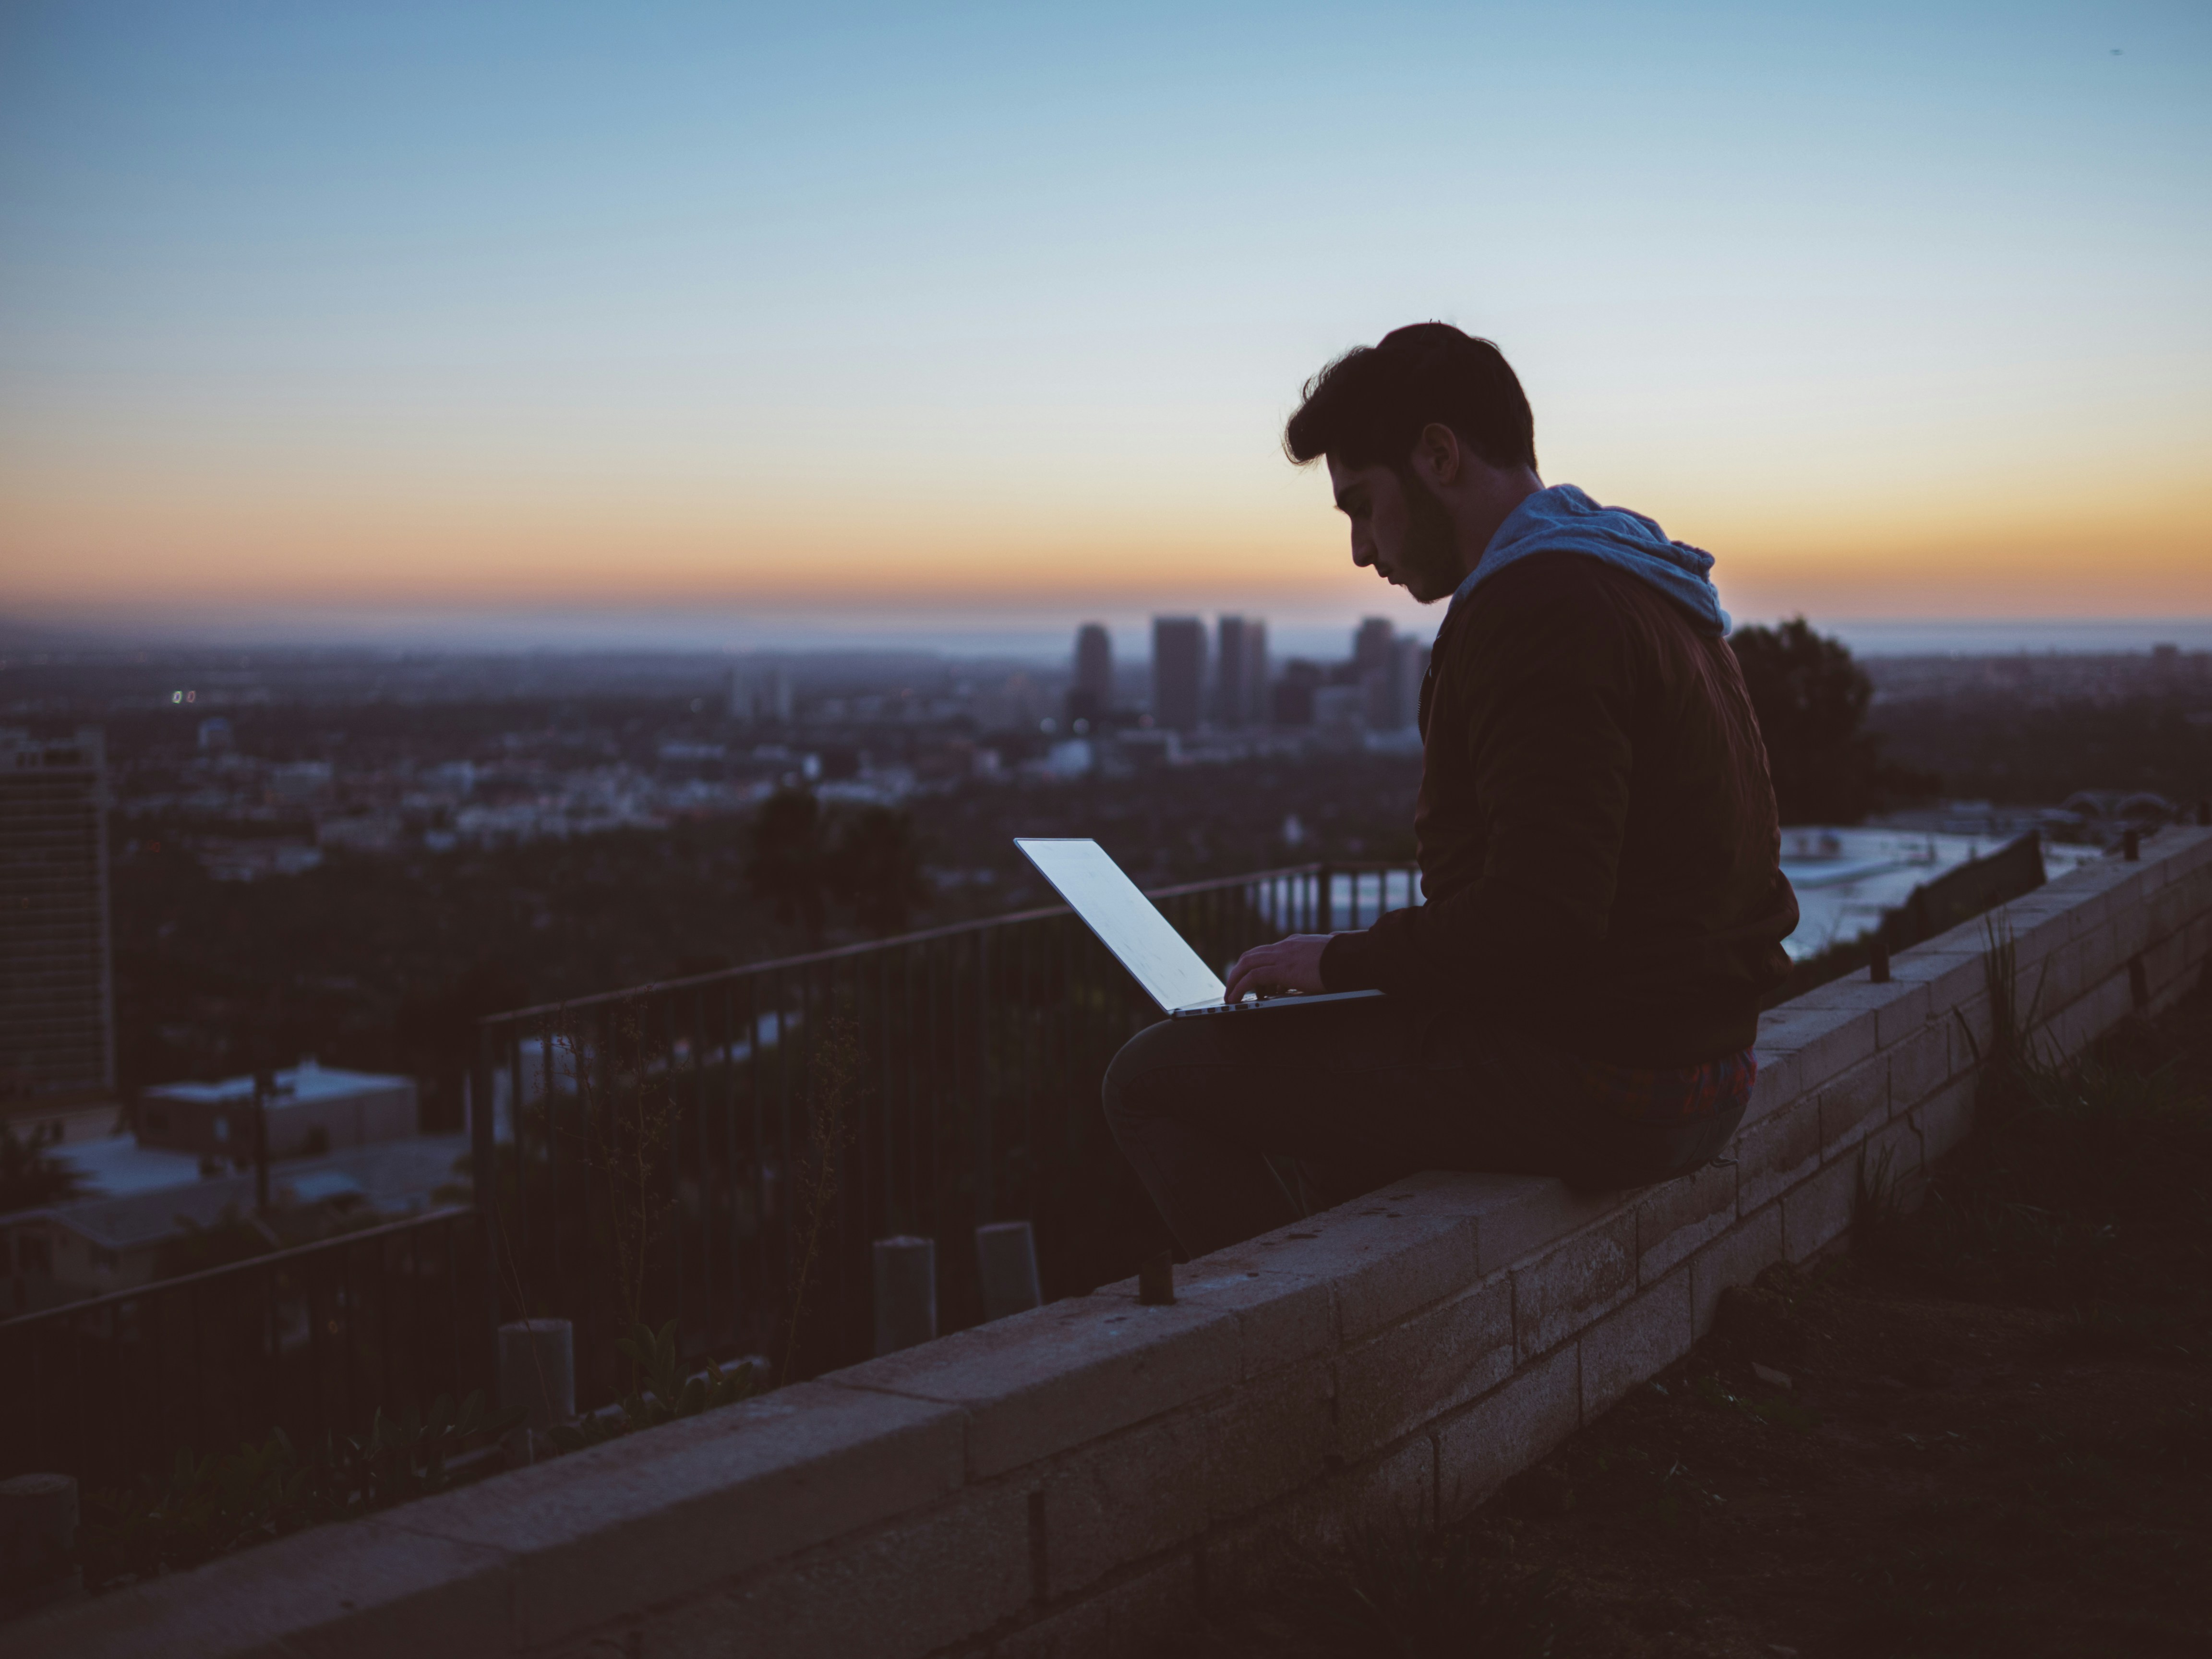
406	323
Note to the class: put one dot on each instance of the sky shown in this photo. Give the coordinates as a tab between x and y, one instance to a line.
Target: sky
775	323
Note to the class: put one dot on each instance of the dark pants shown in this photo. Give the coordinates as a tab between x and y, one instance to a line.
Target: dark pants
1360	1094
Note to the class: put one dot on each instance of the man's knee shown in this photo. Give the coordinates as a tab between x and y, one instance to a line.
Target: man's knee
1132	1077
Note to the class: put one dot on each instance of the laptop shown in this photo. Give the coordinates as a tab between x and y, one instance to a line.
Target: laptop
1142	940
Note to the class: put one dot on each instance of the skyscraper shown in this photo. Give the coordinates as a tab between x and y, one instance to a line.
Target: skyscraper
1409	665
1240	686
1373	670
57	1001
1178	672
1091	695
1370	646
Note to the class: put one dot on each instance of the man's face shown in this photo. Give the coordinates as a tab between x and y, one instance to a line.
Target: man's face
1399	527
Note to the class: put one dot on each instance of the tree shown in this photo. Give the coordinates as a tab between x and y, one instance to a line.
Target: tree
785	861
1811	699
29	1179
877	869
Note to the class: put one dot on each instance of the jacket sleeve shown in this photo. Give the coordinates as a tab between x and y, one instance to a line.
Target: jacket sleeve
1546	714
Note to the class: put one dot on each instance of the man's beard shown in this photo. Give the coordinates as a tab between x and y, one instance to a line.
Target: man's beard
1429	562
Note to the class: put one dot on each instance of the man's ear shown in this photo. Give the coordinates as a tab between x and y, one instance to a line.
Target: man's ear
1438	453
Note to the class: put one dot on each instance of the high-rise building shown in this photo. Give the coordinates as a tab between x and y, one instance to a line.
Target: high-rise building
1178	672
1370	646
1091	697
1409	665
57	999
1240	680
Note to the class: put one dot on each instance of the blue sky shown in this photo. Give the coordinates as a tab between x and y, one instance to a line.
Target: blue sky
939	319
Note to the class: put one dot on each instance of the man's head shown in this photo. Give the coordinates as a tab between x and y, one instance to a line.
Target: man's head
1430	444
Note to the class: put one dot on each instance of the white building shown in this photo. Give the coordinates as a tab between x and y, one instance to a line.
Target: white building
349	1109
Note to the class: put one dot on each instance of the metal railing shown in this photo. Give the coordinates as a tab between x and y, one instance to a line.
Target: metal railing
721	1150
656	1154
312	1340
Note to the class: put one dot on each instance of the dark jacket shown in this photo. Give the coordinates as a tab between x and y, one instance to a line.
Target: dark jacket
1599	850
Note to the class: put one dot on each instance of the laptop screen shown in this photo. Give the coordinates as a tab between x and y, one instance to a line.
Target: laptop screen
1124	920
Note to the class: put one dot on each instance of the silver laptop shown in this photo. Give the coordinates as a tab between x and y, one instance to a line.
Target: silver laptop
1145	941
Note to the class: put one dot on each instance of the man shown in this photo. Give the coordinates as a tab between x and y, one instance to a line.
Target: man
1604	904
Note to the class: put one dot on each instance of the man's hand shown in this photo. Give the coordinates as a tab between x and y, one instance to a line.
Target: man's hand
1288	964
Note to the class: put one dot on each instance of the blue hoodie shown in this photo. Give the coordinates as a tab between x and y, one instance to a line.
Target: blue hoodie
1562	519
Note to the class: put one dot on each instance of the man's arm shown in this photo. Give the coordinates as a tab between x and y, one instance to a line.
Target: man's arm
1548	704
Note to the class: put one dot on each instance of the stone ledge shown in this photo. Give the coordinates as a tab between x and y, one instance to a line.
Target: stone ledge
1405	1352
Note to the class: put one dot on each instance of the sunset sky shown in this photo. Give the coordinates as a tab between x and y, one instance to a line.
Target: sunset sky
400	318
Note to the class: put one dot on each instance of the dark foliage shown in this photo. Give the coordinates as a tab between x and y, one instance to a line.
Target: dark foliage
1811	698
875	868
786	862
29	1178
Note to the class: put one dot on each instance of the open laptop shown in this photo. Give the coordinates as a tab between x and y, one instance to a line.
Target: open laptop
1145	941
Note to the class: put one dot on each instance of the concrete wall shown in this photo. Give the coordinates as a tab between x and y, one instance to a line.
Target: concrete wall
1069	1480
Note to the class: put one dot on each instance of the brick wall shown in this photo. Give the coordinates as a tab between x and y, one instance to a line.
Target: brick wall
1072	1479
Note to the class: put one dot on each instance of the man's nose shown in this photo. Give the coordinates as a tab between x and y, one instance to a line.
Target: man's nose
1361	555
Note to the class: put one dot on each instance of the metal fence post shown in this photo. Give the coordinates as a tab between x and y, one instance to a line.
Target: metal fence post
1006	1262
905	1292
483	1172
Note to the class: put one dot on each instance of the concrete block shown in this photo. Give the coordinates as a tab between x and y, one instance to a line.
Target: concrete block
2079	965
1920	1065
1824	1041
1817	1213
2165	962
1950	976
1130	1619
898	1592
1040	1383
1281	1317
1853	1103
1897	1007
1401	1378
1970	1031
1945	1118
1736	1257
1381	1262
1777	1084
1482	1446
1151	1488
2082	1022
2168	911
1637	1341
360	1589
1777	1153
1561	1292
1514	1216
1676	1217
663	1515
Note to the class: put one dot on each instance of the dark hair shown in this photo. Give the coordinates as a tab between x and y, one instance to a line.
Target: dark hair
1368	407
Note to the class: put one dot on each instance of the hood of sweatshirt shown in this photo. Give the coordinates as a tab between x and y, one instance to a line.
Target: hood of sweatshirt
1563	519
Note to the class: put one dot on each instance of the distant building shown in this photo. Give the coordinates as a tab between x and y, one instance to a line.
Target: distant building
112	1241
1291	701
1370	646
1090	698
1395	697
215	1119
760	696
1240	688
1178	672
57	999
